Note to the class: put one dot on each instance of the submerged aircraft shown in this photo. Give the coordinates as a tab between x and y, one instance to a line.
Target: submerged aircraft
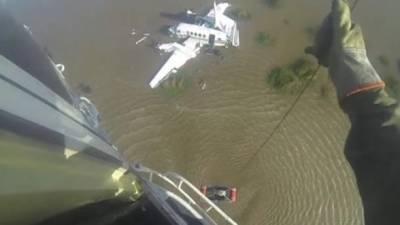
214	29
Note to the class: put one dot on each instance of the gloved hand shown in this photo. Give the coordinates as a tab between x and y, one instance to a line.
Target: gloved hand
340	46
323	42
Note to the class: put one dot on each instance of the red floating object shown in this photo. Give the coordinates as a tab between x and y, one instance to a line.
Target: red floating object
233	196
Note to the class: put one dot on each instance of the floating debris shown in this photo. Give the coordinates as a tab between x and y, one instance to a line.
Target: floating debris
133	32
60	67
202	85
28	29
141	40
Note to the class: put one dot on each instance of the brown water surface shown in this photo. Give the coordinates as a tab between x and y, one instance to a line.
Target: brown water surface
214	137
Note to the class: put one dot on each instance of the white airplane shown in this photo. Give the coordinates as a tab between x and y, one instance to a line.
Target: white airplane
214	29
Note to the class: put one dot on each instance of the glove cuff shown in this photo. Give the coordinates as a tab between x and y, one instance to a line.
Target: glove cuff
352	72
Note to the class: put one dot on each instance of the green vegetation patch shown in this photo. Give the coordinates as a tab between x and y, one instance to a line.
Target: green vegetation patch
84	89
398	65
273	3
281	77
290	77
239	14
264	39
384	60
176	84
303	69
393	86
310	31
286	22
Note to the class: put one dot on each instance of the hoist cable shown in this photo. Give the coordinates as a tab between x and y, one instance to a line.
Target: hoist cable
292	106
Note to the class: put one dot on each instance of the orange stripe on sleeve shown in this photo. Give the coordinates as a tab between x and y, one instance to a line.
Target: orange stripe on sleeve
366	87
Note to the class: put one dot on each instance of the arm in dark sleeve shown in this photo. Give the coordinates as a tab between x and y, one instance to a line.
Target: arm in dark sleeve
373	150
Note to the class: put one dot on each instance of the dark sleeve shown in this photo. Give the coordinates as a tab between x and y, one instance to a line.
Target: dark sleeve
373	150
375	117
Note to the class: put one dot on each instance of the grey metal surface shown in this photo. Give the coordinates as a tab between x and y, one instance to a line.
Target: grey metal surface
27	98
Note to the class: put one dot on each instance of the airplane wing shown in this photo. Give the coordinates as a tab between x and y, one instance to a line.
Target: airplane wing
193	44
181	54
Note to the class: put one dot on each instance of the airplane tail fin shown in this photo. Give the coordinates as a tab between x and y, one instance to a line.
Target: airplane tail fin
226	24
219	10
217	15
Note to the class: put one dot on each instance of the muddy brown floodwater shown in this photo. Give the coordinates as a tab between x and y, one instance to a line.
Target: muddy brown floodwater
214	136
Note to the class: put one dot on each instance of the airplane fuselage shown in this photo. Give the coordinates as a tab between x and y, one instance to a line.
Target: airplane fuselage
214	29
204	34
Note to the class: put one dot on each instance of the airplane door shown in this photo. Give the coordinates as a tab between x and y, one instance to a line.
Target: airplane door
211	40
